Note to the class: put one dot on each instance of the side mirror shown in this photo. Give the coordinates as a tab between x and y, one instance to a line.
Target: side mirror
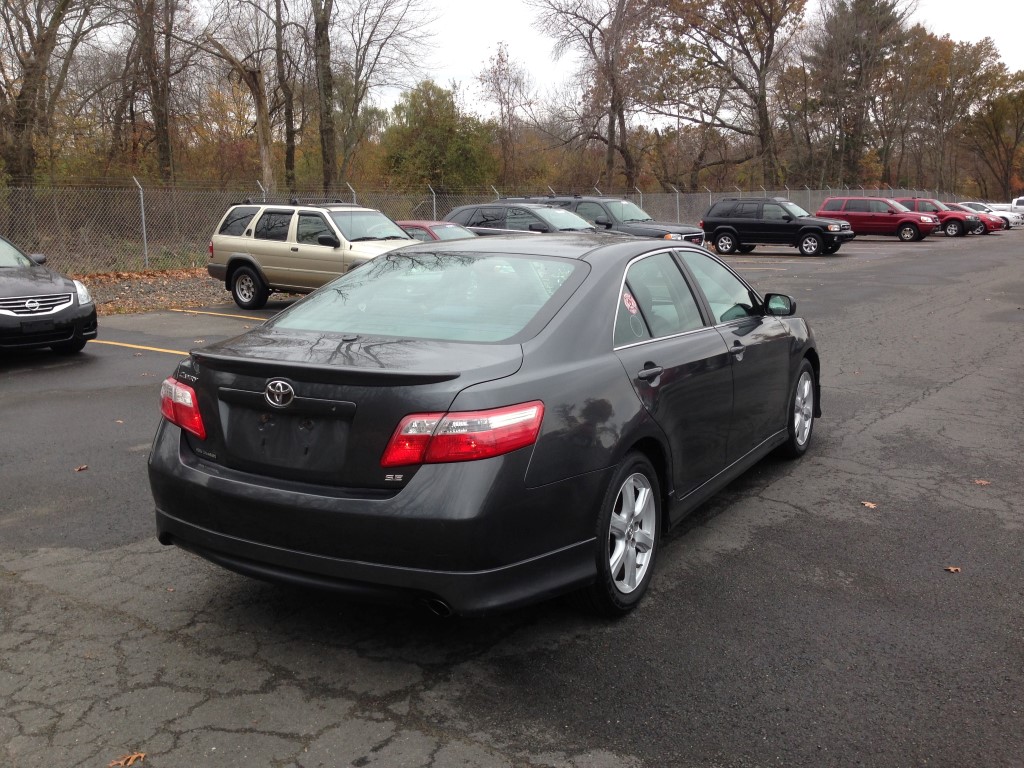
779	305
538	227
602	221
329	240
38	258
787	217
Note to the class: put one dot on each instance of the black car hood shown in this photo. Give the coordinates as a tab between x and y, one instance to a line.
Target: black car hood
32	281
645	227
819	221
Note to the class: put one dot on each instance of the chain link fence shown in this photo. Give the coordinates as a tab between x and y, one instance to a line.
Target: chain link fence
96	230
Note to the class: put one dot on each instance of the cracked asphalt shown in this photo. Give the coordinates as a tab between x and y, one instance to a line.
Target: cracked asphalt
788	624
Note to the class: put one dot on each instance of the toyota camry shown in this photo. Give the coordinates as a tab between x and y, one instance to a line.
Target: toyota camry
483	423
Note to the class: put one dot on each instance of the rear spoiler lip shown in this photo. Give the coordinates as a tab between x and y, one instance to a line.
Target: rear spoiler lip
318	372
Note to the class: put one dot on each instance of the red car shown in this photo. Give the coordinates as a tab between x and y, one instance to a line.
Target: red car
953	223
879	216
989	222
434	230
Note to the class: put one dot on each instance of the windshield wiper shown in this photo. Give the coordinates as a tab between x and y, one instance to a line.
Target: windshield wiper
634	221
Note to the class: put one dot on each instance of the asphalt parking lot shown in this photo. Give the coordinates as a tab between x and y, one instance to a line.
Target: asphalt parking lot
863	606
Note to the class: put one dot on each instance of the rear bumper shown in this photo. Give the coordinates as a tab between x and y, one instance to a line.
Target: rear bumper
471	537
218	271
74	323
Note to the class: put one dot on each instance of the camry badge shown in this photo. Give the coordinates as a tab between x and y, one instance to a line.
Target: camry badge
279	393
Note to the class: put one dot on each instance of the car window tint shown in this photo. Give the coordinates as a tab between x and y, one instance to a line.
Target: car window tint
521	219
729	298
656	293
879	206
461	217
745	211
590	211
774	211
833	205
310	227
488	217
858	206
273	225
417	233
237	219
445	296
11	256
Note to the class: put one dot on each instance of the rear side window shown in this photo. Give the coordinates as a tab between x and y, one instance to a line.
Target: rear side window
273	225
835	204
721	208
237	219
858	206
656	301
488	217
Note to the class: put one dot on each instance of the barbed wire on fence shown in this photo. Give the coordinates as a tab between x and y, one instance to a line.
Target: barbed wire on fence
126	229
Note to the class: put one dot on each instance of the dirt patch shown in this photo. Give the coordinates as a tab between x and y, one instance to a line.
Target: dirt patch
119	293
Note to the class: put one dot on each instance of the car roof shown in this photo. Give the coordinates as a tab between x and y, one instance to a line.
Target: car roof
427	223
337	205
587	246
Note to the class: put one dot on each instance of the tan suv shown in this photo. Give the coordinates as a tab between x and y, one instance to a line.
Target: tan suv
262	247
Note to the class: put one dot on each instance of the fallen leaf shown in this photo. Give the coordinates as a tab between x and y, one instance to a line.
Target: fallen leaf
137	354
127	760
983	482
170	589
869	504
119	421
953	568
198	341
82	468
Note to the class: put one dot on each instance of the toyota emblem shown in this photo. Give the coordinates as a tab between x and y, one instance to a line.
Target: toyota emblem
279	393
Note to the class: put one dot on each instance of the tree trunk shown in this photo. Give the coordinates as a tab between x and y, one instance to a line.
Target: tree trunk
322	10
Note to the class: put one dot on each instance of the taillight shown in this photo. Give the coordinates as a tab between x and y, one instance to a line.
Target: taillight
179	405
699	224
437	438
210	249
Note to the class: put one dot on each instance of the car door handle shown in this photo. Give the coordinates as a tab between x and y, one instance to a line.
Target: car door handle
737	350
295	248
651	372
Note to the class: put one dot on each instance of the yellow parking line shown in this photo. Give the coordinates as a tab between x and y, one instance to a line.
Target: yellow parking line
217	314
138	346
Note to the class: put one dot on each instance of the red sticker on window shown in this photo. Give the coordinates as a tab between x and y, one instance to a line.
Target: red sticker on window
630	303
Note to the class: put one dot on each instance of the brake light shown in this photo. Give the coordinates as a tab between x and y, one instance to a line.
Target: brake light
701	223
179	405
210	249
437	438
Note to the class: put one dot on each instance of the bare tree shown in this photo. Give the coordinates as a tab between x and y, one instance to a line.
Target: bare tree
506	84
380	44
33	33
599	30
322	11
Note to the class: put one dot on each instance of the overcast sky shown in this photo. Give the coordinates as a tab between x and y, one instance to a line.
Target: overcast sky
467	34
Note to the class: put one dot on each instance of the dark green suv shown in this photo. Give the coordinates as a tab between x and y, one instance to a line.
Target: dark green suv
737	224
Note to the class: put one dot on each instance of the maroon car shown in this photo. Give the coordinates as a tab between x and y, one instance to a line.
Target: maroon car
953	223
434	230
879	216
988	222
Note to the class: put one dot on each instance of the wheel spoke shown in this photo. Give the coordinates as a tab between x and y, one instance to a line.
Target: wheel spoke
644	541
617	558
619	525
630	577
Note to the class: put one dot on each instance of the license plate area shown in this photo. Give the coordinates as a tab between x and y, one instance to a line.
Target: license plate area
306	441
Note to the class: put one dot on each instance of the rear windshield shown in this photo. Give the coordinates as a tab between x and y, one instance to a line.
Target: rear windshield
444	296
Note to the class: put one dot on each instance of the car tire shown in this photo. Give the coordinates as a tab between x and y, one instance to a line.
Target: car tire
801	413
811	244
248	288
908	233
628	534
954	228
69	347
745	248
828	250
726	243
981	229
